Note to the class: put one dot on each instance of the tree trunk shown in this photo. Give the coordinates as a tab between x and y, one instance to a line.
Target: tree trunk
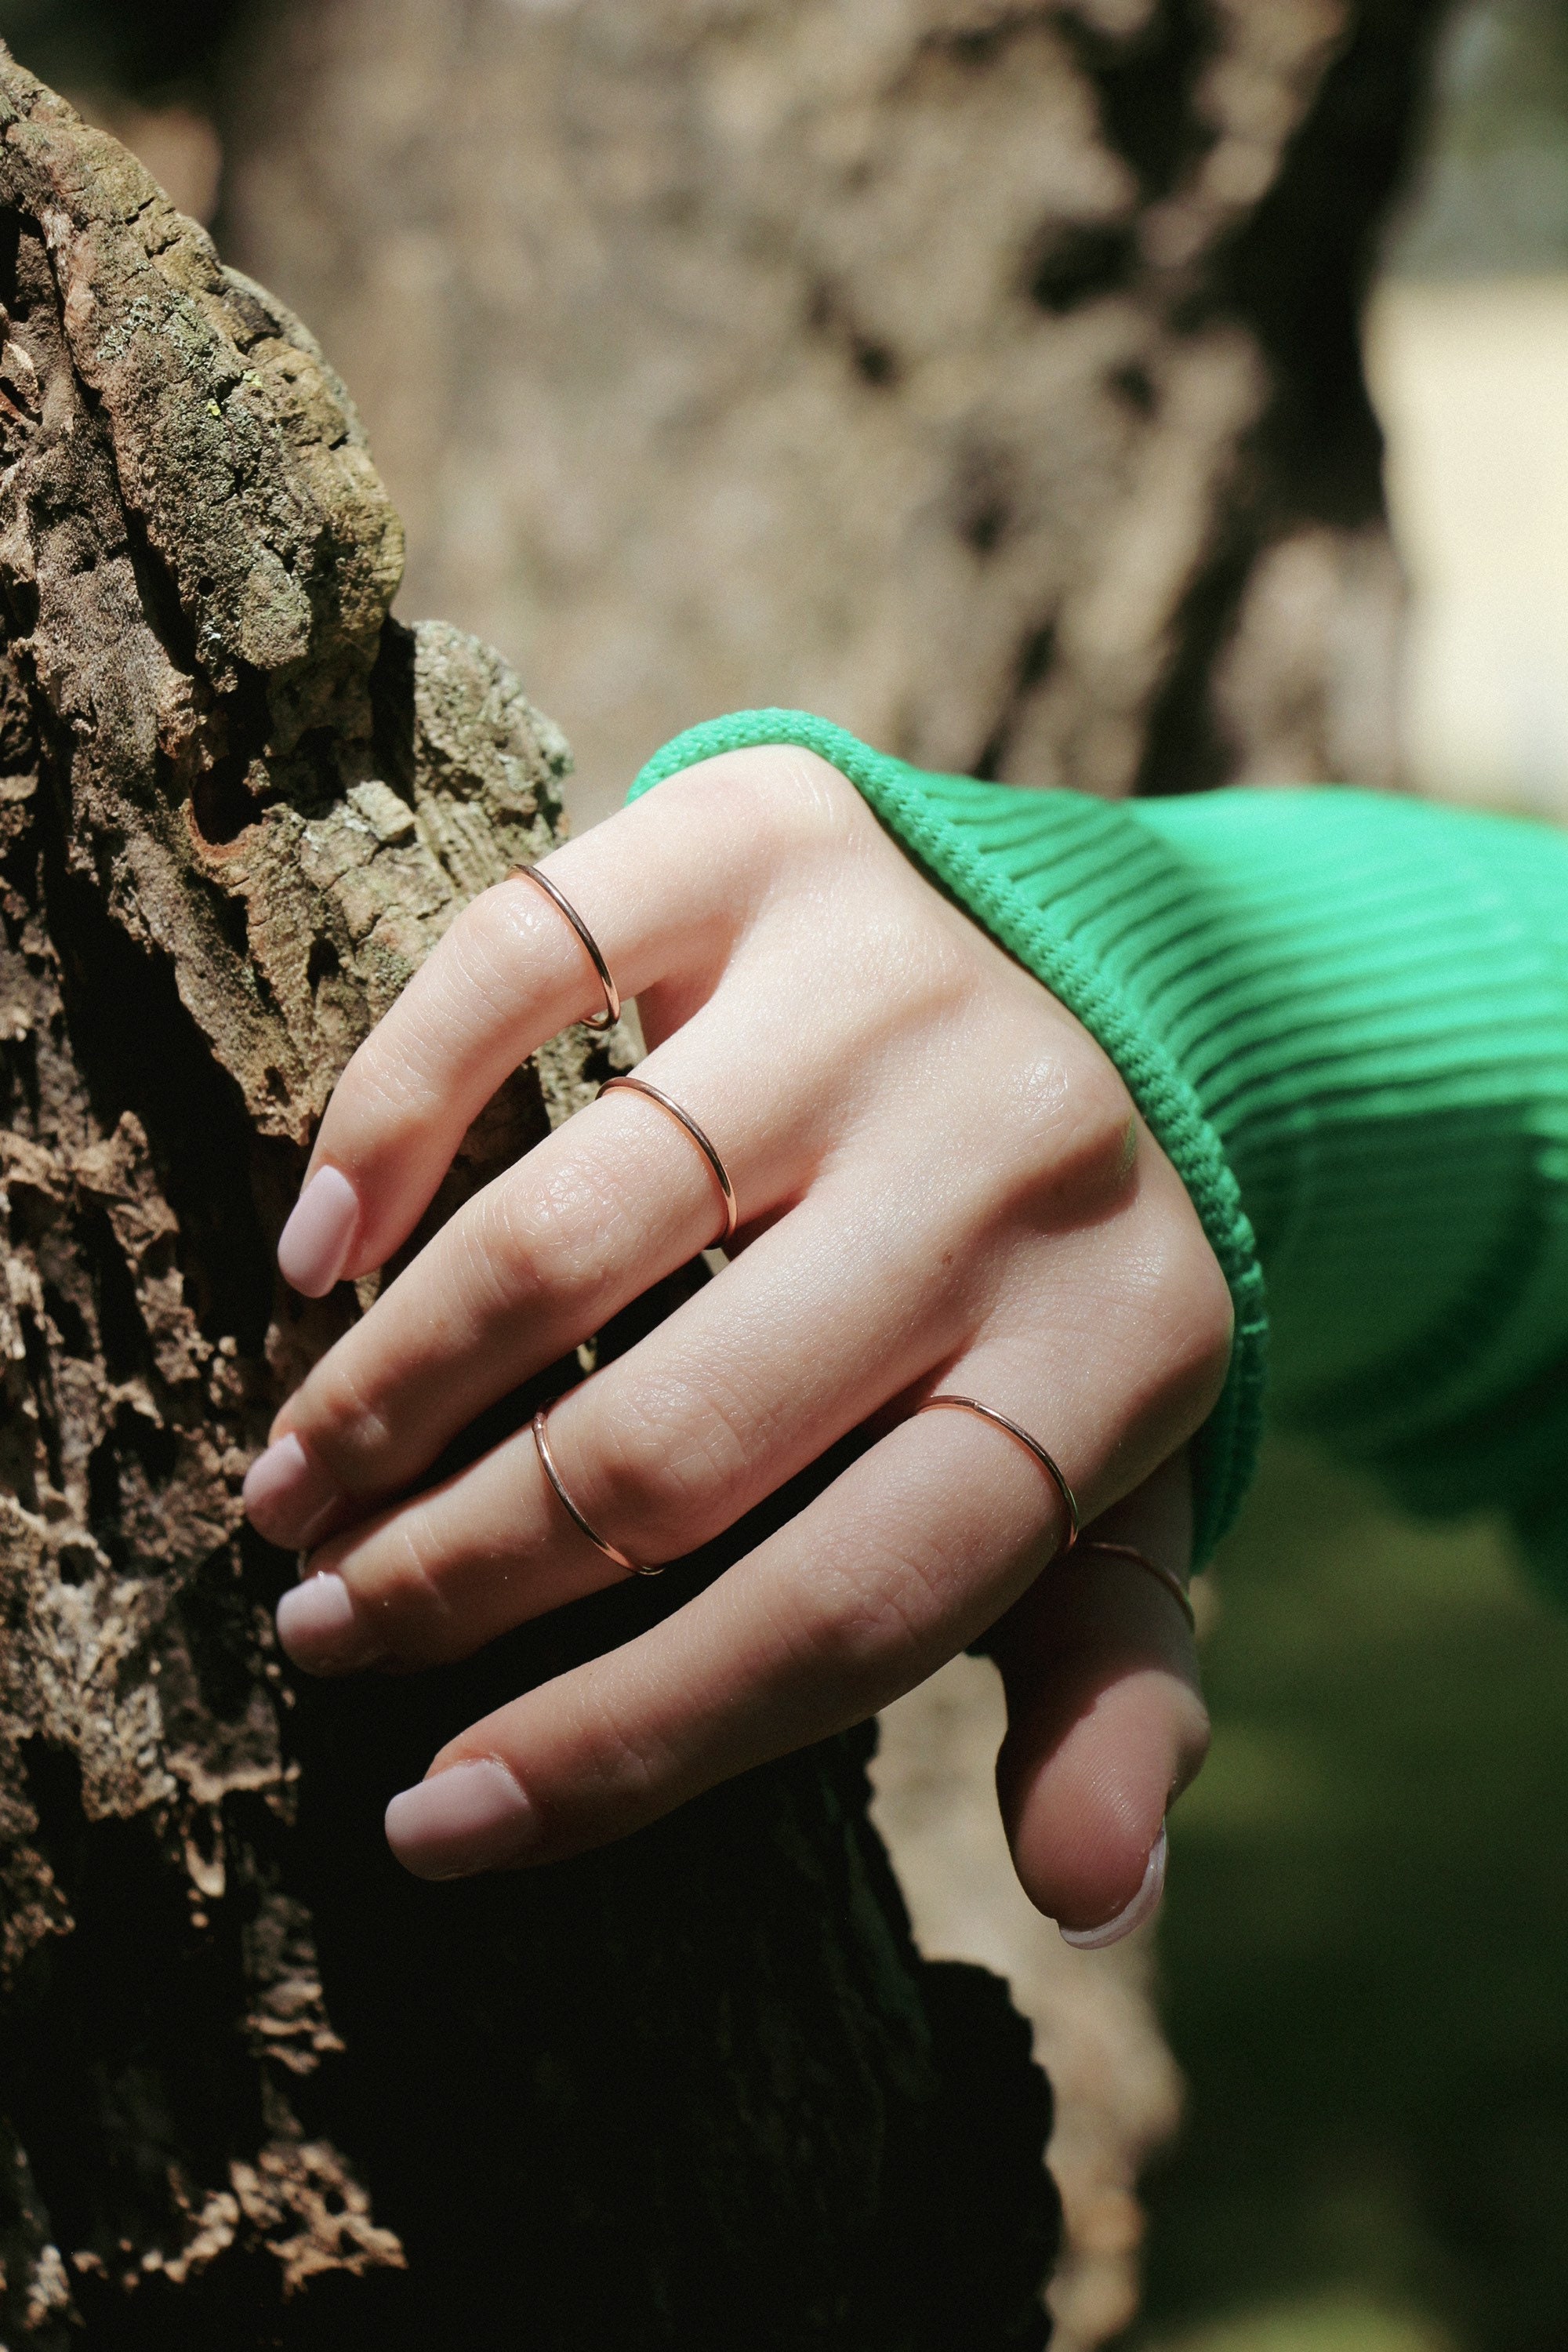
983	375
259	2087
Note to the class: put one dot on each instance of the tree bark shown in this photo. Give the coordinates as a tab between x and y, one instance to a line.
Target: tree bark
983	375
258	2086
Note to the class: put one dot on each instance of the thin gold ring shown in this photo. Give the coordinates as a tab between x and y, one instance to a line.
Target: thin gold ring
1052	1469
1165	1576
612	1012
547	1463
720	1173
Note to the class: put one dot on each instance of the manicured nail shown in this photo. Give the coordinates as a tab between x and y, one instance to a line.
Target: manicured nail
313	1247
318	1625
287	1499
1144	1905
471	1817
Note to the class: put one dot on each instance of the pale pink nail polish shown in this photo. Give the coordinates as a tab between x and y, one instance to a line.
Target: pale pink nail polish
1144	1905
317	1626
313	1247
287	1500
469	1818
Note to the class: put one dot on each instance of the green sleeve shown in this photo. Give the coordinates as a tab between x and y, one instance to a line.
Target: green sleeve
1344	1015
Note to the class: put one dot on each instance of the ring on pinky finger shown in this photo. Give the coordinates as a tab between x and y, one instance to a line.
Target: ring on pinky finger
1162	1575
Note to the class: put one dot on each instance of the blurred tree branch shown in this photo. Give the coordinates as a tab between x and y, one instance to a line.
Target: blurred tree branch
986	376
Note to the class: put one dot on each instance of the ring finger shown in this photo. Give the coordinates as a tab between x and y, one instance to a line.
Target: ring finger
660	1451
910	1554
711	1413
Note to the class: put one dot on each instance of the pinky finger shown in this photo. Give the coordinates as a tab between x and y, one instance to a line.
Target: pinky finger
1106	1723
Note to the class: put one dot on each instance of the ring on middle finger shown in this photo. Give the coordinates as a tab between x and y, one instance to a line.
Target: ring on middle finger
707	1149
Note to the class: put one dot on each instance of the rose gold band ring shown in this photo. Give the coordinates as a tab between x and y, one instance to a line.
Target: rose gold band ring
1165	1576
612	1012
720	1173
547	1463
1031	1445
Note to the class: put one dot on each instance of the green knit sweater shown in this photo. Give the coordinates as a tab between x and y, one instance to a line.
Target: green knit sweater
1346	1018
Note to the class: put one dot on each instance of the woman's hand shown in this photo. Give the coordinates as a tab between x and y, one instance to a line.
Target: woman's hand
942	1185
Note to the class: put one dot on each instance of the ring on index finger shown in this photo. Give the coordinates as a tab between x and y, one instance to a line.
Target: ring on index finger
612	1012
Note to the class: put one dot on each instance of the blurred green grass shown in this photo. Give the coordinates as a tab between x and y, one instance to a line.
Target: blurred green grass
1365	1947
1336	2325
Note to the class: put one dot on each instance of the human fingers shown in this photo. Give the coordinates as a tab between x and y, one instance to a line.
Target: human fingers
547	1254
900	1562
1106	1719
743	1387
663	888
853	1043
832	1313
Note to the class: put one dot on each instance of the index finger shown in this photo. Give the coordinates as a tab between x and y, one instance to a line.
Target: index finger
510	972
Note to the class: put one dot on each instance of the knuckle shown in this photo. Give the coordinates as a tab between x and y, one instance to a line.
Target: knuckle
1187	1315
774	800
1066	1135
480	945
471	969
344	1423
670	1453
379	1095
549	1235
812	802
615	1759
1097	1128
396	1590
861	1626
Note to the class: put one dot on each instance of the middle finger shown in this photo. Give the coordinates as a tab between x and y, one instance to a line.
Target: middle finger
546	1255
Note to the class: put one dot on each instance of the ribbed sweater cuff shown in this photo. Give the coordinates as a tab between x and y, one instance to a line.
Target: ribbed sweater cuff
1012	859
1348	1010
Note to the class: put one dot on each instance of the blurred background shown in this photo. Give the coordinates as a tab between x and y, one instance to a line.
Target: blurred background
992	380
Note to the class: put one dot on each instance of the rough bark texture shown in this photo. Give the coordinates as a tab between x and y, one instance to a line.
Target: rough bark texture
258	2086
984	375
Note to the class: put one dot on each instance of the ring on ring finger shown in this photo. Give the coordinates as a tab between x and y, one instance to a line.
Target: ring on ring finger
1052	1468
547	1463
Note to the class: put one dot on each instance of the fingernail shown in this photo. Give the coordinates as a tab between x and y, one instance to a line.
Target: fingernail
320	1628
1144	1905
287	1500
313	1246
471	1817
